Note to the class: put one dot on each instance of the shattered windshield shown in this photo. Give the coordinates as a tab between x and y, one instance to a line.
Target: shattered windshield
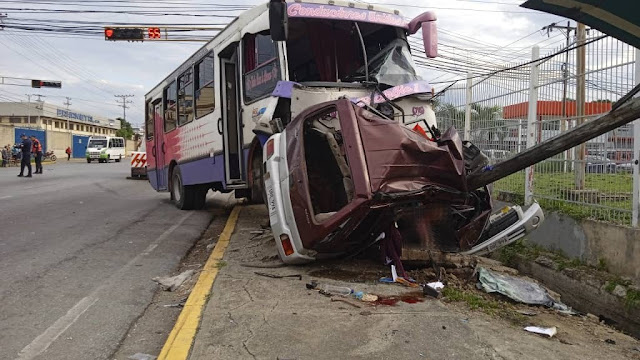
393	65
321	50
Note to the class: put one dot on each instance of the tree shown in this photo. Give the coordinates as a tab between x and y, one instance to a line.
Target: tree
126	131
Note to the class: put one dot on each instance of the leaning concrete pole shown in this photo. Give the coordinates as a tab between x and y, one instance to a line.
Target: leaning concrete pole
574	137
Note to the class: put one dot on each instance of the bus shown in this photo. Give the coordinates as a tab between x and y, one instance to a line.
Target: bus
207	122
105	148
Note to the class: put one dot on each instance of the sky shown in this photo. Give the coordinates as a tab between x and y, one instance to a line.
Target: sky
482	32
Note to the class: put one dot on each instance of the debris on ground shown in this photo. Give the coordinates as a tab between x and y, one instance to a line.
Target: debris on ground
346	302
518	289
178	304
274	276
432	289
141	356
171	283
550	332
609	341
212	245
527	312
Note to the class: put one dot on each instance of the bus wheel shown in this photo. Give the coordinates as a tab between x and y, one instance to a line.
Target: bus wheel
258	195
200	198
184	197
119	158
89	161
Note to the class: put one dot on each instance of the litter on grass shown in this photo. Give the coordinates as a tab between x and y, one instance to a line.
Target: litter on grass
519	289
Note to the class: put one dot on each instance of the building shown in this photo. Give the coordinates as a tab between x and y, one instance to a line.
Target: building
56	127
616	145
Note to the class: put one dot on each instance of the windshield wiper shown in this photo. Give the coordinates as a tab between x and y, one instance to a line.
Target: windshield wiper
364	52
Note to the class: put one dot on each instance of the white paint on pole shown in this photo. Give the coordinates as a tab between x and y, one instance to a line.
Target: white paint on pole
467	110
636	156
532	114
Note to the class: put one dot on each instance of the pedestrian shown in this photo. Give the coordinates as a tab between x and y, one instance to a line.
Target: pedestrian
25	148
68	151
6	156
36	150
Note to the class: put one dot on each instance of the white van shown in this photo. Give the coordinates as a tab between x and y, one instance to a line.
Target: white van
105	149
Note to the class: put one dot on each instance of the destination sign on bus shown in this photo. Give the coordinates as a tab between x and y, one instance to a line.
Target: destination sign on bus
342	13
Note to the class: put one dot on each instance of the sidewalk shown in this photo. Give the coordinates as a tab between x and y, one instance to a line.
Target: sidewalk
255	317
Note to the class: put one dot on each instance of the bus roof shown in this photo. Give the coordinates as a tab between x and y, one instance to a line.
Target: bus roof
253	15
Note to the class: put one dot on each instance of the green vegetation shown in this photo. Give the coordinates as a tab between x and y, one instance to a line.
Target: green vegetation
220	264
474	301
510	254
550	190
602	265
125	131
632	300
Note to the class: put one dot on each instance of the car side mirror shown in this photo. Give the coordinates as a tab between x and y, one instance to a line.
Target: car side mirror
278	20
427	22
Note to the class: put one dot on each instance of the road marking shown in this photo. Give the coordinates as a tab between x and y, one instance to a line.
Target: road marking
6	197
180	340
41	343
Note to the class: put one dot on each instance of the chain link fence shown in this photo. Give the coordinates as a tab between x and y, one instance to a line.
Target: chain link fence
594	180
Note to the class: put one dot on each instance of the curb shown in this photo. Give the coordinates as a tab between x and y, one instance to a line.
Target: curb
178	344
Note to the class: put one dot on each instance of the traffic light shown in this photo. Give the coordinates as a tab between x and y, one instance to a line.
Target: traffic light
128	34
47	84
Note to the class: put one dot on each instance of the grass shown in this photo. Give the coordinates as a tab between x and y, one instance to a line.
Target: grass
632	300
220	264
550	191
474	301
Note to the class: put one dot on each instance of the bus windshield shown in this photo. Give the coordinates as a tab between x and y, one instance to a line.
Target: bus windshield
93	143
322	50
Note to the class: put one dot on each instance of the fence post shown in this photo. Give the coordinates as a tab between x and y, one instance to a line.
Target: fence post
532	114
636	155
467	109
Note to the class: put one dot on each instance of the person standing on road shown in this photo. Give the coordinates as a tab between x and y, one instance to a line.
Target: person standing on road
68	151
36	150
6	156
25	148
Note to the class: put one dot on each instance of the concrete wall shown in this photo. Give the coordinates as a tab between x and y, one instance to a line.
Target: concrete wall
591	241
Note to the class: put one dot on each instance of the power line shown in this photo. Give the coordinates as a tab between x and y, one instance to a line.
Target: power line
122	101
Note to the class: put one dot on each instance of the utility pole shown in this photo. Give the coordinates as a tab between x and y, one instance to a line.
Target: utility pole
68	103
122	101
41	107
566	30
28	109
580	99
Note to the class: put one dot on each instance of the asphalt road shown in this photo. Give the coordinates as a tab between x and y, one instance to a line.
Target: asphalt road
79	246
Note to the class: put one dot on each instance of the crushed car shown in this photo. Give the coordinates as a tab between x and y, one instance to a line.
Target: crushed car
342	176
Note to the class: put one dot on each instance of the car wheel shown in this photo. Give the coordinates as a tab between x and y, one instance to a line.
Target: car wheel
183	196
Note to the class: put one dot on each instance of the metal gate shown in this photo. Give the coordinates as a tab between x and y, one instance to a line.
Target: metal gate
39	134
79	146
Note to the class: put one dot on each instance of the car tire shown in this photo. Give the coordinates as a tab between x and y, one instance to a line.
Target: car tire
183	197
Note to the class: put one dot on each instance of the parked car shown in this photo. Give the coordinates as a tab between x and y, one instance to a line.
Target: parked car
339	178
599	164
626	167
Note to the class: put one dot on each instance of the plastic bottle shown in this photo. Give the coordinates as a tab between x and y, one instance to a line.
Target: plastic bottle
335	290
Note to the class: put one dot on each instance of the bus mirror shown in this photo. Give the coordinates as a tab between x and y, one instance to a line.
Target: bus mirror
427	22
278	20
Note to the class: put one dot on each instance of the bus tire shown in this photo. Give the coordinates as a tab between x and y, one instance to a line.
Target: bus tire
119	158
89	161
258	195
200	198
183	196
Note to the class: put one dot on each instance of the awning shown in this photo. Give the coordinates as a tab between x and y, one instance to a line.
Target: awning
620	19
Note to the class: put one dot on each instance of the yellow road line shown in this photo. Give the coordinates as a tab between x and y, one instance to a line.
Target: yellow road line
181	338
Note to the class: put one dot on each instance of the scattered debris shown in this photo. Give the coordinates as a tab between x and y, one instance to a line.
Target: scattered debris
171	283
178	304
620	291
212	245
431	289
518	289
365	297
345	301
274	276
527	312
436	285
550	332
609	341
141	356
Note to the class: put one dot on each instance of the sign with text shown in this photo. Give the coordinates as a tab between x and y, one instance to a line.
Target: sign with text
261	81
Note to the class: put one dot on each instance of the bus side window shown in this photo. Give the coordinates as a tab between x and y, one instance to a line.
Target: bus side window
205	93
170	112
148	123
185	97
261	70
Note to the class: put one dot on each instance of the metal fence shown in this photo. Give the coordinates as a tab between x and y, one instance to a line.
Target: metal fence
496	110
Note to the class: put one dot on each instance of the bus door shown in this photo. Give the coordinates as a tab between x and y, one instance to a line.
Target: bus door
159	147
232	123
